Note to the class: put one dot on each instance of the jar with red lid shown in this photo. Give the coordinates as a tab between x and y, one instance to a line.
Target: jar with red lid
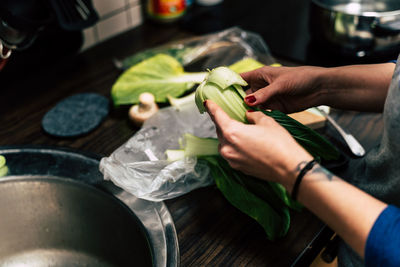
166	10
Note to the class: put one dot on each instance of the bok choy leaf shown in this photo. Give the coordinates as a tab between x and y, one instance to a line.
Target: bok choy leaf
224	87
3	166
161	75
266	208
266	202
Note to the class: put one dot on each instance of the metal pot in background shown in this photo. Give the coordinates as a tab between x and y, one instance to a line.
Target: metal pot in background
357	28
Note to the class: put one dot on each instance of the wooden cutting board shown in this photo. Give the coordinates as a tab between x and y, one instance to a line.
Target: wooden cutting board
309	118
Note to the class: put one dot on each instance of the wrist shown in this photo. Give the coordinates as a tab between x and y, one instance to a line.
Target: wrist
304	170
293	170
325	87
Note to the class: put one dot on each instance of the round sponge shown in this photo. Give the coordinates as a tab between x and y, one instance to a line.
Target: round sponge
76	115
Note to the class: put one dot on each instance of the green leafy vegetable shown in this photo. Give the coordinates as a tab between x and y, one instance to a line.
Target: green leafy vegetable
3	166
196	146
266	208
246	64
193	146
181	102
175	154
180	53
161	75
309	139
224	87
264	201
268	203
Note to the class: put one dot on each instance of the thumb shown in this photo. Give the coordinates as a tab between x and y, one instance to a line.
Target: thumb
262	95
217	115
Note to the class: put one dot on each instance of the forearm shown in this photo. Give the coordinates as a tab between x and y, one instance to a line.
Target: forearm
349	211
356	87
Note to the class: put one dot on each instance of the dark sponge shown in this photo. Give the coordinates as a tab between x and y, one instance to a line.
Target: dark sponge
76	115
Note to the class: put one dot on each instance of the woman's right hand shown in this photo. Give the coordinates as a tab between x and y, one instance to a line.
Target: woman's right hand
262	148
288	89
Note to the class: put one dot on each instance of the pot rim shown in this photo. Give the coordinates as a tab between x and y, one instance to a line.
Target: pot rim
376	14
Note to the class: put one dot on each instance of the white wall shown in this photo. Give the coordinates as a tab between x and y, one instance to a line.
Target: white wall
116	16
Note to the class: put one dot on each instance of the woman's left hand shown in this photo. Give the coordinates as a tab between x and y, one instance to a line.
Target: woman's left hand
262	148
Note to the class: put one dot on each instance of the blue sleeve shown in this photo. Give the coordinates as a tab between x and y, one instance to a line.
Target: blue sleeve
383	242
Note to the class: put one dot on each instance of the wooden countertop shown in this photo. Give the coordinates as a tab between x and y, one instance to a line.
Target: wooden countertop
210	231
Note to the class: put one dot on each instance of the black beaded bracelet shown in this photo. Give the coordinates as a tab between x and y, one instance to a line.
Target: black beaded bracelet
302	172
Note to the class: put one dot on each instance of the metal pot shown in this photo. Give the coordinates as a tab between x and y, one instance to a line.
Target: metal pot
62	222
357	27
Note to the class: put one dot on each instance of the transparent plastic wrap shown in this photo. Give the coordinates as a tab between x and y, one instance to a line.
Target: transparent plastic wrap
209	51
139	166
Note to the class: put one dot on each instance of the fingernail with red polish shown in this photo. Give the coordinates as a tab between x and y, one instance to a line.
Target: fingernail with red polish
250	110
250	99
205	103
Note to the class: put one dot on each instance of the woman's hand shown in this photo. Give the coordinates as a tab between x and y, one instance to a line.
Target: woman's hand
266	150
288	89
292	89
262	148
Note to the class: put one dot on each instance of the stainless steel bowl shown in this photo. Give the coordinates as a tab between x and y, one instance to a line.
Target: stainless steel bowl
357	27
42	162
62	222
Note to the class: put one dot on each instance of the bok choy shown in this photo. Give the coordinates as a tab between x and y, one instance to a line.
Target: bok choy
266	202
224	87
3	166
164	77
161	75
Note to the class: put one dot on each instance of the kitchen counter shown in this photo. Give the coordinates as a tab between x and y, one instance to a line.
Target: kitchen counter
210	231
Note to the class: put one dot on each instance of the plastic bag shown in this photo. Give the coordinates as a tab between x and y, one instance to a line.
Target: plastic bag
209	51
139	166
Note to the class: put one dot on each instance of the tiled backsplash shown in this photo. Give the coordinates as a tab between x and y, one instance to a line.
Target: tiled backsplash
116	16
